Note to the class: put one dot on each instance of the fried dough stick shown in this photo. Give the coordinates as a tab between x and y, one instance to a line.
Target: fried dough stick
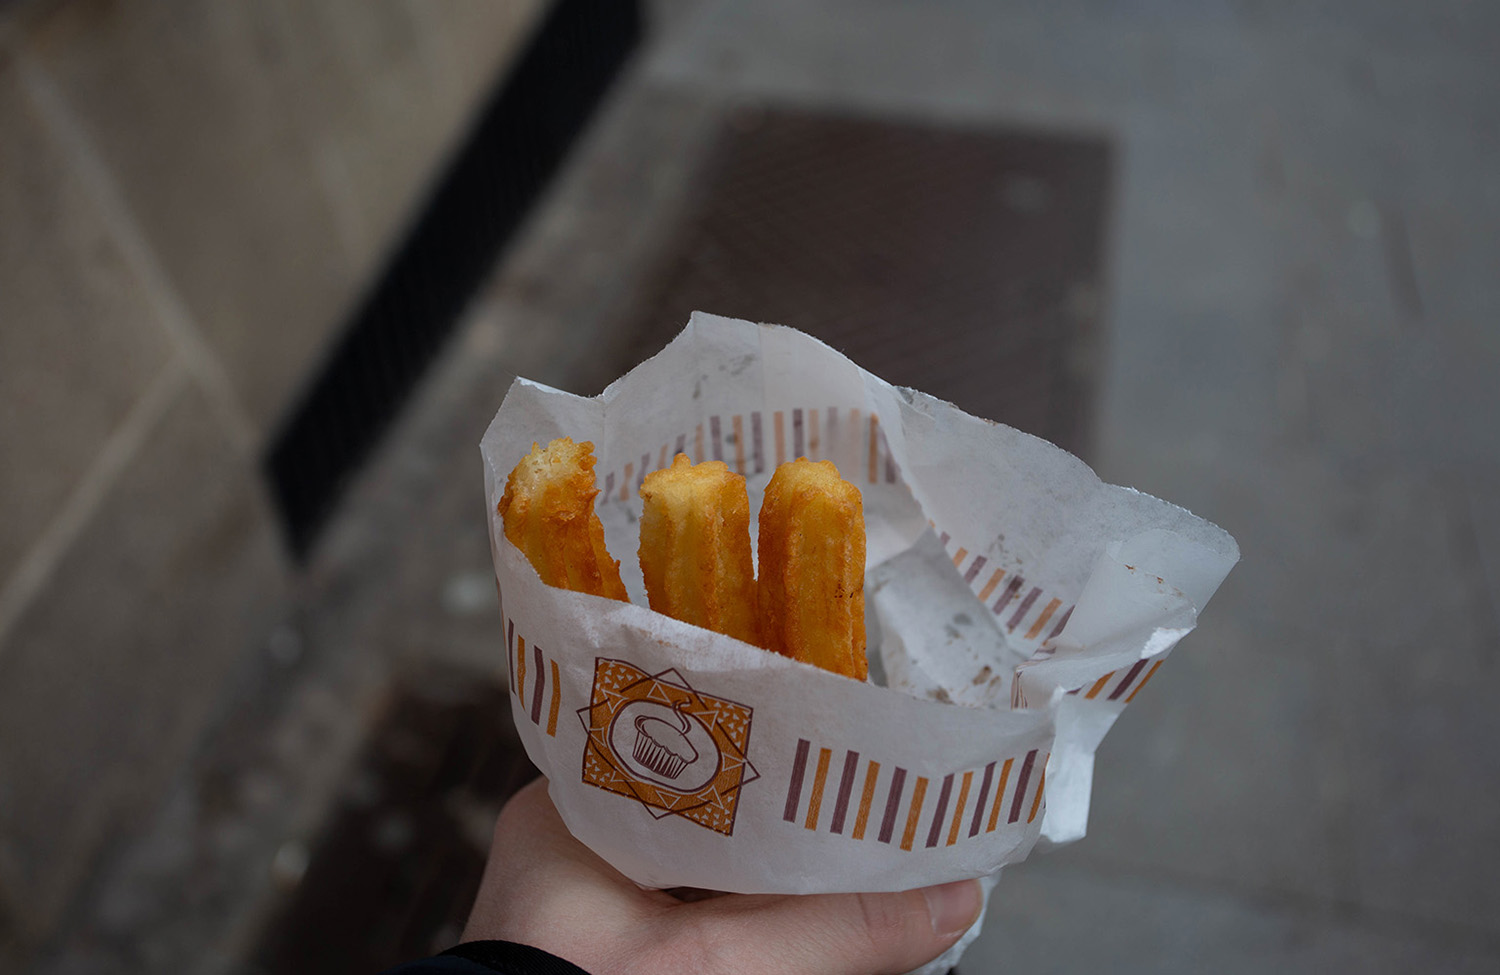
695	547
548	509
812	568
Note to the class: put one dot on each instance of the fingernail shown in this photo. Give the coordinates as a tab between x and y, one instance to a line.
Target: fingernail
953	907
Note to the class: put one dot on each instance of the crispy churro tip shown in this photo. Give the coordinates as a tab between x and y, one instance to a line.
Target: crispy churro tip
812	567
548	511
695	547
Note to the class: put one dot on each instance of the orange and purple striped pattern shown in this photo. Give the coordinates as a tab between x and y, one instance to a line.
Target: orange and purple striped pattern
1118	687
545	698
941	804
1024	609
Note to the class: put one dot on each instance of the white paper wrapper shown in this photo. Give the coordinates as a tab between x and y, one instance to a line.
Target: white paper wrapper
1015	604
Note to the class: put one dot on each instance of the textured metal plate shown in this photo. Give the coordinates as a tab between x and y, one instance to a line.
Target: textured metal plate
966	263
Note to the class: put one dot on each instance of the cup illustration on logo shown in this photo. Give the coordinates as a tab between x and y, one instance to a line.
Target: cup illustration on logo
662	748
662	742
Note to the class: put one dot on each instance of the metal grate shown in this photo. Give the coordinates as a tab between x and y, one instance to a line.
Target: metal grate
965	263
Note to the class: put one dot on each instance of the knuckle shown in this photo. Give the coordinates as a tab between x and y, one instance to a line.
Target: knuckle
503	825
888	922
513	842
507	825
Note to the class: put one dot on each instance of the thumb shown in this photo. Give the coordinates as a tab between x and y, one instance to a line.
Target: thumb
832	934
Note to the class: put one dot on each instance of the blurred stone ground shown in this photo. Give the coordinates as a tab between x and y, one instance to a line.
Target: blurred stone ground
1300	344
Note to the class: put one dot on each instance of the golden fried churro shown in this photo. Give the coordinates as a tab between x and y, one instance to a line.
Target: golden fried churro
548	509
695	547
812	568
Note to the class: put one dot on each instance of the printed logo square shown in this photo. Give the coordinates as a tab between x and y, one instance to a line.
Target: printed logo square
658	740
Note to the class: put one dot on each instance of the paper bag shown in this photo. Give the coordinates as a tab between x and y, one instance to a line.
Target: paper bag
1015	604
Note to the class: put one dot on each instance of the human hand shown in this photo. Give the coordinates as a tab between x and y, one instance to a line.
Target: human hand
543	888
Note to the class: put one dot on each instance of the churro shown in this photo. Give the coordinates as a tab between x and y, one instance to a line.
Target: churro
812	568
548	510
695	547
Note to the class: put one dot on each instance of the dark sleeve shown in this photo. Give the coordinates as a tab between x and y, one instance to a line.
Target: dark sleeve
487	958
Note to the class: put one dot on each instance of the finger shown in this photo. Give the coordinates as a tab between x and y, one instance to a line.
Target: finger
828	934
